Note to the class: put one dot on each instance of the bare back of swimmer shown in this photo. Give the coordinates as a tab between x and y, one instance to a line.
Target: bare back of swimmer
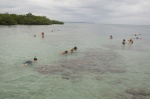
65	52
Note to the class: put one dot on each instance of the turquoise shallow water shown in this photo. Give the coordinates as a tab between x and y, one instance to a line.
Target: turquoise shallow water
100	69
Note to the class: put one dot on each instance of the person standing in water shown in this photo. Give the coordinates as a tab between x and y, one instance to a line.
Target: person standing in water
124	42
42	34
111	37
130	41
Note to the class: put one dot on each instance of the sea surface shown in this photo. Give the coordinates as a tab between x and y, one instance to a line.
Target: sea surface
101	68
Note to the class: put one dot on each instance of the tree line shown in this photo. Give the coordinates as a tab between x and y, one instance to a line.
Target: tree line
28	19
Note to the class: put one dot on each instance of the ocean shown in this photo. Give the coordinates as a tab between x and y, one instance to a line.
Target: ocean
101	68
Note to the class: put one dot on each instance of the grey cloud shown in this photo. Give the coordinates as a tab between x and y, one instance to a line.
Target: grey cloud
98	11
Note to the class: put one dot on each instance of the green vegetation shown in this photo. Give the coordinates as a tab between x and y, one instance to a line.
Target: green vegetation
28	19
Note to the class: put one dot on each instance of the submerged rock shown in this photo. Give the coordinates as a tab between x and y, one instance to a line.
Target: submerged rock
94	61
139	93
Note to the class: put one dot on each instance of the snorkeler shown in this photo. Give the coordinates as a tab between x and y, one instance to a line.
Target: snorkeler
30	62
75	48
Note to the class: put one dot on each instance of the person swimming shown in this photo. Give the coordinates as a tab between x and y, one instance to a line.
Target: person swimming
137	37
75	48
29	62
64	52
72	50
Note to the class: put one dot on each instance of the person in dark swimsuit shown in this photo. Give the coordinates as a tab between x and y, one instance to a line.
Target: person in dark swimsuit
124	42
75	48
29	62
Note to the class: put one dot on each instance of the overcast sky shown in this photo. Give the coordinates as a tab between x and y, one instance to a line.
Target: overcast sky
96	11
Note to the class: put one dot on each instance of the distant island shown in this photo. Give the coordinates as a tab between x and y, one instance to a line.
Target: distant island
28	19
80	22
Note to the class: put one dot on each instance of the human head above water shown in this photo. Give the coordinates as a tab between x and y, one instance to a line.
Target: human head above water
66	52
35	58
75	48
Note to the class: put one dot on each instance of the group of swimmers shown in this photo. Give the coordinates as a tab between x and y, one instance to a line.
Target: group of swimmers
41	34
124	41
137	36
130	41
66	52
35	59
